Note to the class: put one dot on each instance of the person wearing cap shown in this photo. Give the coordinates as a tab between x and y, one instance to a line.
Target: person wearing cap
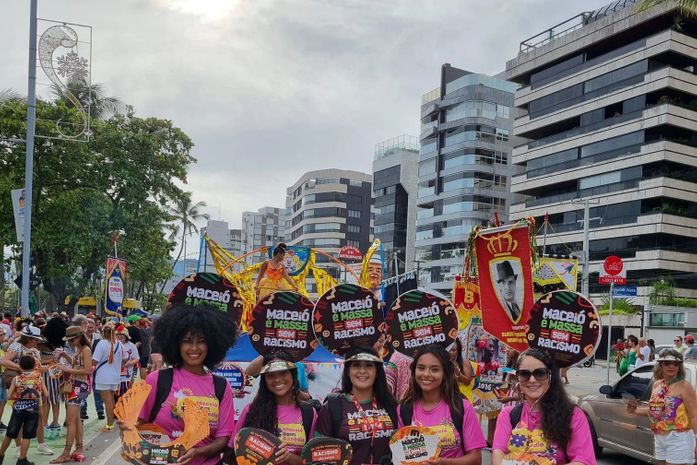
507	283
134	331
691	351
433	400
78	368
364	412
26	344
128	362
278	409
672	410
193	341
548	426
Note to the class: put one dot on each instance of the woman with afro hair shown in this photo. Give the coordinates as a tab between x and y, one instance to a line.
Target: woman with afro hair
193	341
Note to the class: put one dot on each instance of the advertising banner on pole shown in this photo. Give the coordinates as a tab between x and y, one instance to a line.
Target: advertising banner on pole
115	276
18	209
505	282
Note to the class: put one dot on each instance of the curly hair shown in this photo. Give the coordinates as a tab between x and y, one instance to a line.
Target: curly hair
263	411
217	328
448	388
54	332
556	406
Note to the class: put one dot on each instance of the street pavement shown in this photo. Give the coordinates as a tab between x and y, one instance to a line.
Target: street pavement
105	448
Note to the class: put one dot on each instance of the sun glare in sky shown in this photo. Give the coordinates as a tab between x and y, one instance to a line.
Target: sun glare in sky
210	10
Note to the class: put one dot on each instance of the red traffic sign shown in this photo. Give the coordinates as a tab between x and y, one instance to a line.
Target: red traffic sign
613	271
350	252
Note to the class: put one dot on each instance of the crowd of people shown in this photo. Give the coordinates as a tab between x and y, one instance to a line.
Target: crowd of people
53	364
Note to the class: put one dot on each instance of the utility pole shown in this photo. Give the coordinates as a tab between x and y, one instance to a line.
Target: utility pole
29	159
586	239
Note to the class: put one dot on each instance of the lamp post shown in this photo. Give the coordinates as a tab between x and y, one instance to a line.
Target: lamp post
29	159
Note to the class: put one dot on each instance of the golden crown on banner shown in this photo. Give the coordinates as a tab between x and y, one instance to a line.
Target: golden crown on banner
501	244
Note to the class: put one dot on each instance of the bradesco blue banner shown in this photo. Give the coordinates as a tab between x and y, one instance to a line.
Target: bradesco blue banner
115	276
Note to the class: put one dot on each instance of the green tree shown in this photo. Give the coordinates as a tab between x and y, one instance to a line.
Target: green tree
122	180
687	8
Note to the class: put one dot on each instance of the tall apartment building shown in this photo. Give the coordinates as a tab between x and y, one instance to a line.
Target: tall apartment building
395	177
328	209
464	168
609	110
229	239
265	227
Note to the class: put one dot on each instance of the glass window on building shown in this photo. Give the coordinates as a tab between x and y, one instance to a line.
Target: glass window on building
354	213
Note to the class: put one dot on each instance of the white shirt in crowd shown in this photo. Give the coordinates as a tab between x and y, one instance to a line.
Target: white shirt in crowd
107	373
645	353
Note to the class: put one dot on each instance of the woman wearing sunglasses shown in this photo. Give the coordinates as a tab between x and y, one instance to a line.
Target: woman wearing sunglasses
672	410
434	400
546	425
364	413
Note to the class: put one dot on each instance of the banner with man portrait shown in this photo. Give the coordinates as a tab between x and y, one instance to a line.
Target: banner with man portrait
504	271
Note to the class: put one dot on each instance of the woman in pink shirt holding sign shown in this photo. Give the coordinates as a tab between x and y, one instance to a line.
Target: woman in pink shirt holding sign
433	400
546	427
193	341
277	408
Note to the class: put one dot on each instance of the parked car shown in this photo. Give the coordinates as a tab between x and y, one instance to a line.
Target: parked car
615	428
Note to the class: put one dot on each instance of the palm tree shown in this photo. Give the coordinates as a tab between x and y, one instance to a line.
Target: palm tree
9	94
93	96
185	214
687	8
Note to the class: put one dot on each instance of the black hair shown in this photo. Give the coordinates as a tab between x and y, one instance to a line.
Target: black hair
263	411
448	389
633	338
54	332
382	393
458	358
555	404
27	362
280	249
216	327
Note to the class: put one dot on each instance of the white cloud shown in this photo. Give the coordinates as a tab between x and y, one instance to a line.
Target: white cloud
270	89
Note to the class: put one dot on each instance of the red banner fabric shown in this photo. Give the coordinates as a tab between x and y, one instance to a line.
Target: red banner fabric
504	269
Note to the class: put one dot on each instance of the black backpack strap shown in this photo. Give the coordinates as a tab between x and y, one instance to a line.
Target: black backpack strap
514	415
164	385
220	385
406	412
458	418
336	411
308	413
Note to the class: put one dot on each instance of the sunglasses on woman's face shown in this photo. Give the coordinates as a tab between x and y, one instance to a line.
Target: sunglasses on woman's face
540	374
670	364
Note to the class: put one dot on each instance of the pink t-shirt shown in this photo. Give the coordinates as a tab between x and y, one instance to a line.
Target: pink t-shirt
201	389
290	426
579	449
440	420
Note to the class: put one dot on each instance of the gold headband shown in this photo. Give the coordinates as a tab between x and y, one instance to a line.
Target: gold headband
364	357
277	365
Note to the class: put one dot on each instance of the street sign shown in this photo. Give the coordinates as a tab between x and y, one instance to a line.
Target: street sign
613	271
625	291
